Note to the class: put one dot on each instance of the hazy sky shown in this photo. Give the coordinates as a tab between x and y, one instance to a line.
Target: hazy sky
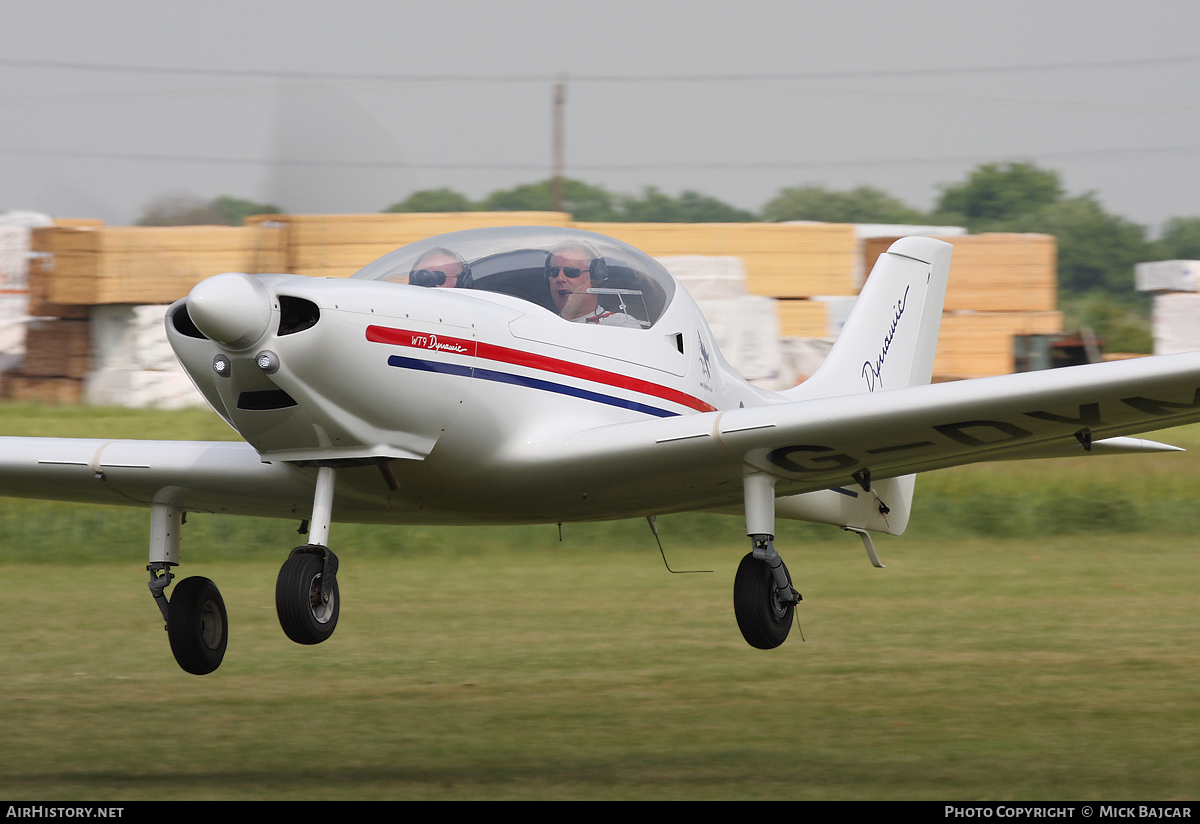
352	105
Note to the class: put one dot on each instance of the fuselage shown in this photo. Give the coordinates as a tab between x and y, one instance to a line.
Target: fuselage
424	398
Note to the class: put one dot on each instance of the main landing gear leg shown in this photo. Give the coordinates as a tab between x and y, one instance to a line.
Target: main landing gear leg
764	600
197	625
306	592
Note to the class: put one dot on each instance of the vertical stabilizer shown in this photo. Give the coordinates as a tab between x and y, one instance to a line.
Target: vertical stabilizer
888	342
890	339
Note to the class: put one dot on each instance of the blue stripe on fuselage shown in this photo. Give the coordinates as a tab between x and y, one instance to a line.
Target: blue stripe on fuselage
531	383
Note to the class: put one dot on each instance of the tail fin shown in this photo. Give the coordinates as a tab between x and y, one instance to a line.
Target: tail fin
888	342
891	336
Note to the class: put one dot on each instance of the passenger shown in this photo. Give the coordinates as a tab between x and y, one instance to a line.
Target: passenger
570	270
441	267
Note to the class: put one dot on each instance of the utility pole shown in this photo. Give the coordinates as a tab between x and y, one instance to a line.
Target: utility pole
560	160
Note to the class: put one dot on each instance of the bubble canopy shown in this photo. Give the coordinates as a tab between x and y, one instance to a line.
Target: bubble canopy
580	276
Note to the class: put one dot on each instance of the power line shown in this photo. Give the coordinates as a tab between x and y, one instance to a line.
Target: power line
849	74
738	166
258	161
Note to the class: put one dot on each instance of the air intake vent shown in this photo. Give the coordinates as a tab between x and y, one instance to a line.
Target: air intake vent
182	322
296	315
267	399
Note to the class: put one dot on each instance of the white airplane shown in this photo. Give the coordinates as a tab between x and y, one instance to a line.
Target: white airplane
565	377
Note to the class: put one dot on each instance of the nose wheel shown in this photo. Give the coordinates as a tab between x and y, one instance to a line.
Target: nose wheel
306	595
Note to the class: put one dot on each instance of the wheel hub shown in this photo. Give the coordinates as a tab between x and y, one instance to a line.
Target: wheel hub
211	628
321	606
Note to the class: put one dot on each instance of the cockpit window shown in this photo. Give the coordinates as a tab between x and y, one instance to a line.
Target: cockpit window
579	276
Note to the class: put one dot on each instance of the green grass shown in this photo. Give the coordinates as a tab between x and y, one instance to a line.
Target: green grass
1056	662
967	669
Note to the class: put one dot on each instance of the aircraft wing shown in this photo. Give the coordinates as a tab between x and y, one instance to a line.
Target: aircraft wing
200	476
680	463
822	443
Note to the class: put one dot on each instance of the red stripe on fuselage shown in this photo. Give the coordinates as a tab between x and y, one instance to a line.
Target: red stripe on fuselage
516	357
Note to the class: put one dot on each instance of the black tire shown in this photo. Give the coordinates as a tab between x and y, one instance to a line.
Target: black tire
197	625
764	622
302	614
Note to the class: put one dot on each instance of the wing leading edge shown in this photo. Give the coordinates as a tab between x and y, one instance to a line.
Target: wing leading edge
200	476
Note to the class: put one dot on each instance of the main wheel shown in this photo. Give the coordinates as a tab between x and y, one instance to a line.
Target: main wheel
306	618
197	625
764	621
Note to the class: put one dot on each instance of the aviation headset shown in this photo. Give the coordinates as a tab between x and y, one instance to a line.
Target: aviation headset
597	269
427	277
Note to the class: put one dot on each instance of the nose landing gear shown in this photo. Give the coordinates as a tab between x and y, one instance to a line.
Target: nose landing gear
306	595
306	592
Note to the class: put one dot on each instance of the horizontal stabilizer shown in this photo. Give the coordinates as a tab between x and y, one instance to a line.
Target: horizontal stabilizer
1074	449
1121	445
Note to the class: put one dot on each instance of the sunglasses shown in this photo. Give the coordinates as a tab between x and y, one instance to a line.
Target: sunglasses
570	271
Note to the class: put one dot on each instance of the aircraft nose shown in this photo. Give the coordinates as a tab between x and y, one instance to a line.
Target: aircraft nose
233	309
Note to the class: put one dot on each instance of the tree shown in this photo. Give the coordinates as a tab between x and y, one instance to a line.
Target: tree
582	200
189	210
434	200
1096	250
997	193
234	211
861	205
179	210
690	207
1123	324
1181	239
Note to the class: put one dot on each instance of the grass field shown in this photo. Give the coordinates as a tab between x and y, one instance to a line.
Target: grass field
1036	635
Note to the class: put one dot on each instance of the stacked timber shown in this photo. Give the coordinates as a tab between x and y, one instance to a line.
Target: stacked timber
791	283
57	357
77	266
152	264
978	344
54	348
782	260
803	318
337	246
802	267
1000	285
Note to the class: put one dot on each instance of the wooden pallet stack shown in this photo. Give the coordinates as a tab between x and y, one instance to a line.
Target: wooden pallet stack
56	348
83	264
793	263
1001	285
153	264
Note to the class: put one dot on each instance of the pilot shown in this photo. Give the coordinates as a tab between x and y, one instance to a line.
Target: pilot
569	273
440	267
